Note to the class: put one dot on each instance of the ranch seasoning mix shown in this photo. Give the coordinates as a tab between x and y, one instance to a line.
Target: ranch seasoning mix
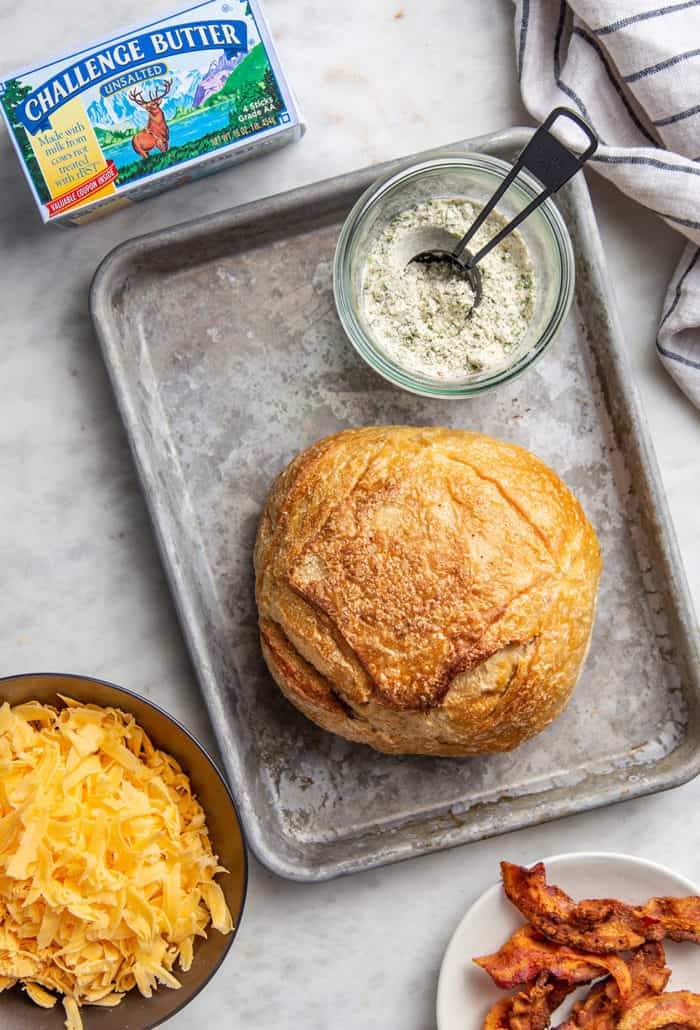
421	314
150	108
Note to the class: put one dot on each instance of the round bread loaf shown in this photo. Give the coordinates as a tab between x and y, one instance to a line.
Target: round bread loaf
425	590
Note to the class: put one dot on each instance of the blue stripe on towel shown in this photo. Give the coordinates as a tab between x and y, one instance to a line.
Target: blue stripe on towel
672	118
563	11
653	162
674	218
654	68
676	357
679	288
525	17
657	12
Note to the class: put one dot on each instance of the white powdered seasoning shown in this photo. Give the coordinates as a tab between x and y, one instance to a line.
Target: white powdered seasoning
417	312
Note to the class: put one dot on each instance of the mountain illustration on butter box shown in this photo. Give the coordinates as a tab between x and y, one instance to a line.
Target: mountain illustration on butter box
150	108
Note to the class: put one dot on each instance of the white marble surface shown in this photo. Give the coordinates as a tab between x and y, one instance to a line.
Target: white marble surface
82	586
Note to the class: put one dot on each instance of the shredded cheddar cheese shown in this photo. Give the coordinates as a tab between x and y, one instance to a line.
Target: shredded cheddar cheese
106	868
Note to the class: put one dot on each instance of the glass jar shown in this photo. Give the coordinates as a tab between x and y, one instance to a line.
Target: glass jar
473	177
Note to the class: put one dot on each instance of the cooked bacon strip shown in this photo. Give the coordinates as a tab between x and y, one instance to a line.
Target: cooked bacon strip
597	1011
603	1006
498	1017
532	1008
680	1007
679	917
599	925
526	955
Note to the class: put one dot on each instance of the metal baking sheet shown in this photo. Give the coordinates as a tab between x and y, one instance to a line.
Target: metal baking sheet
227	357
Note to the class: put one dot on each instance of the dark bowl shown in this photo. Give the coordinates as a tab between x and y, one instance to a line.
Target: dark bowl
17	1012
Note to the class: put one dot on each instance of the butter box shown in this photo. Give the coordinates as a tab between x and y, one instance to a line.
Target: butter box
150	108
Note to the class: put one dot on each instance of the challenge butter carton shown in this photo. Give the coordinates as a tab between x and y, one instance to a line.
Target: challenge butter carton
148	109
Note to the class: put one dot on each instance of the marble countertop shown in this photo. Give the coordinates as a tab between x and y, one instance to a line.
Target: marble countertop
83	589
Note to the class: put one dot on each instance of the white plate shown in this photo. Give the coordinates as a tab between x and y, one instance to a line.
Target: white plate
465	992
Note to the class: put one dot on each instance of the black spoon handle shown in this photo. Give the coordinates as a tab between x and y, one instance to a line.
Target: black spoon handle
549	161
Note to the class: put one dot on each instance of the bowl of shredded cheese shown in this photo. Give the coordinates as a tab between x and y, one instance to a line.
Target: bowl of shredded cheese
123	866
416	324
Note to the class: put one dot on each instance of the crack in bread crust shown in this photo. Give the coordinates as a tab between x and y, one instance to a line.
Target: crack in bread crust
509	500
370	723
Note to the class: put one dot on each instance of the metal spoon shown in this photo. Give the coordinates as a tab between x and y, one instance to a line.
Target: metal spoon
548	160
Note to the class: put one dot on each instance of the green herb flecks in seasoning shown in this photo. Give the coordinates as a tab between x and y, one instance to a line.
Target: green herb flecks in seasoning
417	312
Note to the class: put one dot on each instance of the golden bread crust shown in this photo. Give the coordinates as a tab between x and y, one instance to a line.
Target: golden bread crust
425	590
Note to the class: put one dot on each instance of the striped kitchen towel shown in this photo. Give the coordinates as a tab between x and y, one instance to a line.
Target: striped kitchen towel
632	69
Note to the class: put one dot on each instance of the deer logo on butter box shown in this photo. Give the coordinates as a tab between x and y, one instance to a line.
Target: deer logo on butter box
156	133
132	114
